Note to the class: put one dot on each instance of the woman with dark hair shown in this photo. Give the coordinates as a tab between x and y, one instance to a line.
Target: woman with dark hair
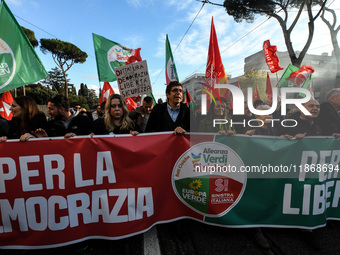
216	111
27	118
116	119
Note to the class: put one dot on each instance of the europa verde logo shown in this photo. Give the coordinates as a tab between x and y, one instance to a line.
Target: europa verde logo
7	64
117	56
204	178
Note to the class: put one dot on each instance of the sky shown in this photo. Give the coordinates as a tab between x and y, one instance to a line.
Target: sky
145	23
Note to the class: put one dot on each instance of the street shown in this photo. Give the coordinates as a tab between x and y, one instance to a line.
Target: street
191	237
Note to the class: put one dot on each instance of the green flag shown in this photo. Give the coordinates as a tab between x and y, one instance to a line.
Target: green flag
308	84
283	82
109	55
19	63
170	68
153	98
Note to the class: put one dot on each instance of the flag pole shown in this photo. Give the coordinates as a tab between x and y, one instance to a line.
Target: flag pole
211	80
100	89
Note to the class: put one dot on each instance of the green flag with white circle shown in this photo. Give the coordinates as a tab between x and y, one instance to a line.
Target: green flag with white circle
19	63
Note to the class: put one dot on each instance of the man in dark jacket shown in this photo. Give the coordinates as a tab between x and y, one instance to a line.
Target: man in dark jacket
307	125
140	116
330	114
172	115
64	122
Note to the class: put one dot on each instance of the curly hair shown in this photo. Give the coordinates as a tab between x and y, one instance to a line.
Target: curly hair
125	120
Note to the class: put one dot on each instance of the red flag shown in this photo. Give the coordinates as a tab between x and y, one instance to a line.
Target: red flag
130	103
301	75
188	98
135	56
269	90
106	92
271	57
5	105
256	95
215	73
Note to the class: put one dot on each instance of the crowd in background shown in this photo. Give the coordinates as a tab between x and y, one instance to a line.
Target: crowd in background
113	117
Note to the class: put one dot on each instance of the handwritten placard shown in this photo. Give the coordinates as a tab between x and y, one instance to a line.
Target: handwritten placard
133	79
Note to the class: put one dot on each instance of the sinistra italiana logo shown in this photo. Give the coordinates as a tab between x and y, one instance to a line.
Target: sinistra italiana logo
200	186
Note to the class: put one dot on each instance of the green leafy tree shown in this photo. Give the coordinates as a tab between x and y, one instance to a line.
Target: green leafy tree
89	94
40	93
79	100
55	80
33	40
64	54
31	36
279	10
71	89
92	99
83	91
74	91
252	78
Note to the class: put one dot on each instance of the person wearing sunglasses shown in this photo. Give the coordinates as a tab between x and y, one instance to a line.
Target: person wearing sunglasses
116	119
172	115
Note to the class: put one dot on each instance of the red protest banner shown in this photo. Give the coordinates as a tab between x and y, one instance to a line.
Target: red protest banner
92	187
62	191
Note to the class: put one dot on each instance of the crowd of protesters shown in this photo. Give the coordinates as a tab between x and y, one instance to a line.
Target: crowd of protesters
113	117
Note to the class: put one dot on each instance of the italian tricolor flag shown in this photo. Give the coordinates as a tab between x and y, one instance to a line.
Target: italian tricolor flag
170	68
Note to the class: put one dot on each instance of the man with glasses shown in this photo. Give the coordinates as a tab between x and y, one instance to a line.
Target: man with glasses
172	115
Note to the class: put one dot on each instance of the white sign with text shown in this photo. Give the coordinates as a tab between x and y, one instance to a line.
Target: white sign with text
133	79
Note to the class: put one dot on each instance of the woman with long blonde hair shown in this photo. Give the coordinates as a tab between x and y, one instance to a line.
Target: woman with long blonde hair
116	118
